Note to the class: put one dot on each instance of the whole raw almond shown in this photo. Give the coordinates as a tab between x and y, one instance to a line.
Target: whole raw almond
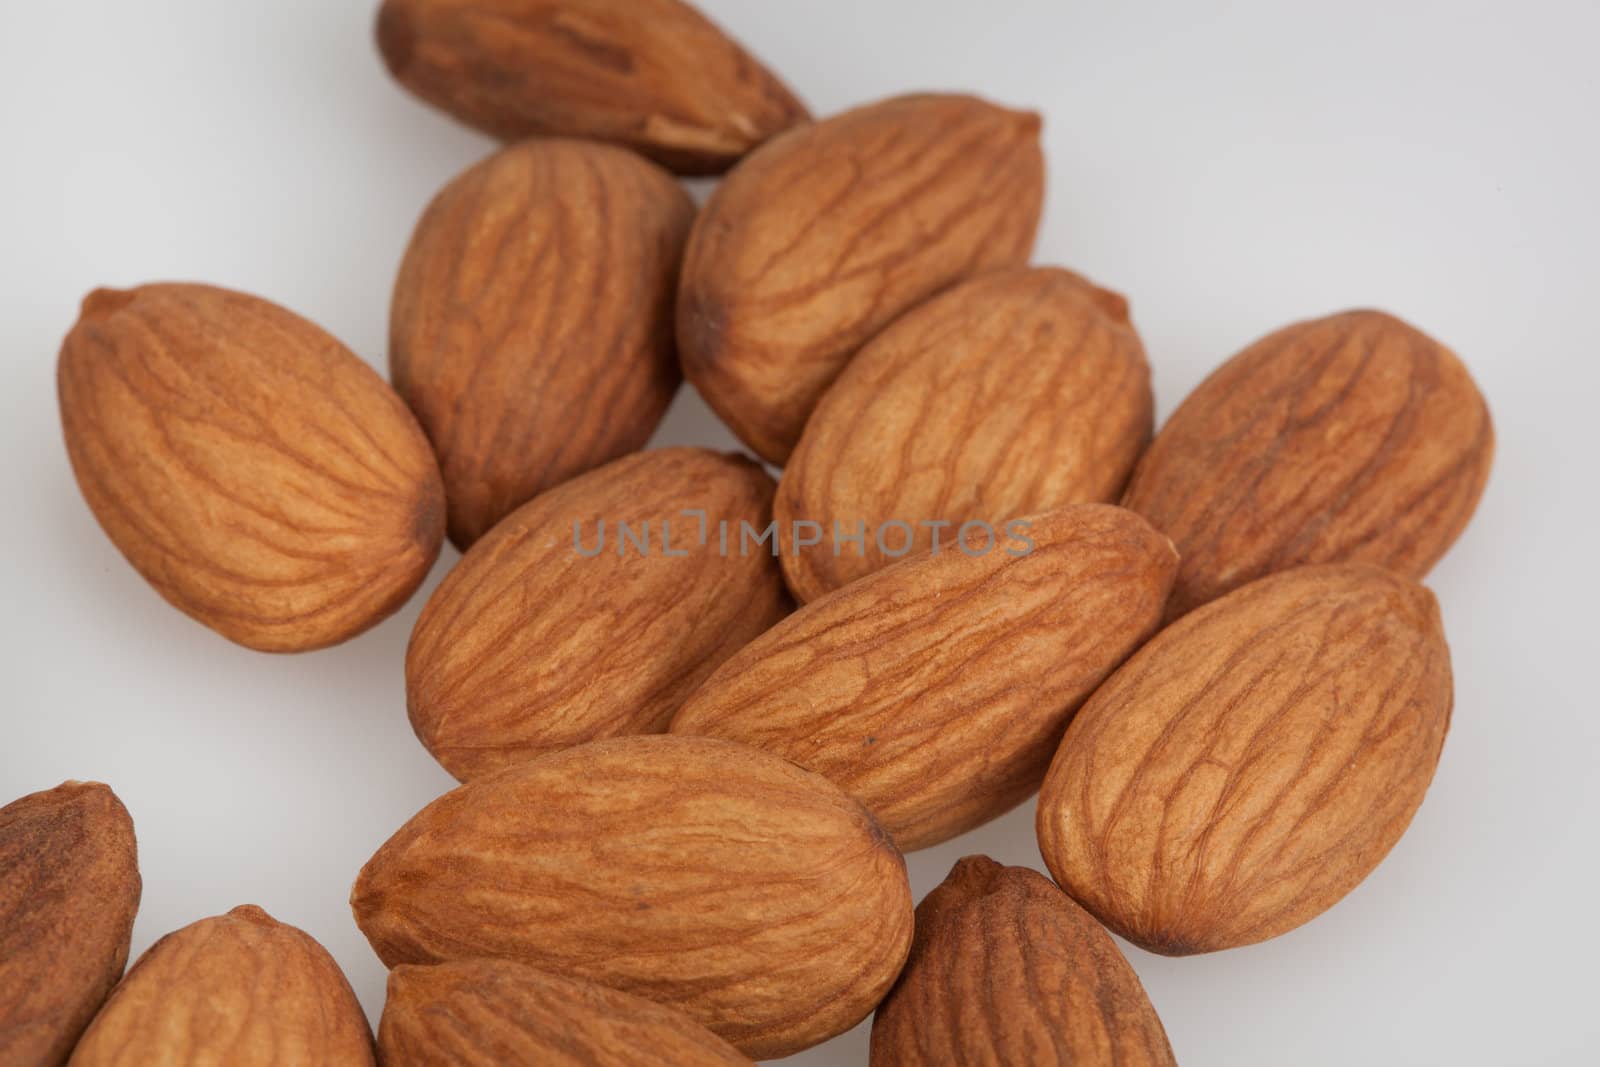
1010	394
653	75
753	895
1350	439
69	889
936	690
250	467
532	326
488	1013
1005	969
240	989
823	237
1254	762
594	610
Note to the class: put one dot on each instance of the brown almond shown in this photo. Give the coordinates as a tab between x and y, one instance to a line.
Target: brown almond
259	475
1350	439
489	1013
655	76
825	236
936	690
1005	969
753	895
1252	763
240	989
1008	395
594	610
532	326
69	890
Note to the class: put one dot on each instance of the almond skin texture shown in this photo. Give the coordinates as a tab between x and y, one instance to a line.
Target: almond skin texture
250	467
488	1013
1254	762
1350	439
937	690
825	236
545	637
236	990
1008	395
652	75
704	875
1005	969
69	889
532	326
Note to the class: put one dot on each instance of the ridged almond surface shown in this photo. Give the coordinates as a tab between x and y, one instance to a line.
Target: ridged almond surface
69	890
1011	394
936	690
1350	439
266	481
490	1013
653	75
1252	763
545	637
1005	969
826	235
532	325
753	895
236	990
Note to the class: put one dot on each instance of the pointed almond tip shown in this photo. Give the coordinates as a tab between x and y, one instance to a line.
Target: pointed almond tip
1425	603
252	913
103	303
975	875
1114	304
74	791
74	786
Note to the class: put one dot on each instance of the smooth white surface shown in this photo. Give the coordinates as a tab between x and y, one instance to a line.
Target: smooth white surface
1231	167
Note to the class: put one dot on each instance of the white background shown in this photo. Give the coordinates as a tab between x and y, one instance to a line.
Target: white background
1230	166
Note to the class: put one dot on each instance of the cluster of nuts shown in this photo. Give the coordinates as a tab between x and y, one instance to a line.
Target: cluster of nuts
679	838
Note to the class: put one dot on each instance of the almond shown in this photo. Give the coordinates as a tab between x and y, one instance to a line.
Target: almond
487	1013
240	989
259	475
1254	762
532	327
1010	394
1005	969
69	889
823	237
1350	439
729	883
936	690
653	75
594	610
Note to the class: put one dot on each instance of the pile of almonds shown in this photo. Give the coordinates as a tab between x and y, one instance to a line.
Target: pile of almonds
700	713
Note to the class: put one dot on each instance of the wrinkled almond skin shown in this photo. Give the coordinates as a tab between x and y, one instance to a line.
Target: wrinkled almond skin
532	324
257	473
826	235
655	76
1350	439
708	876
69	890
1252	763
1006	969
489	1013
1008	395
533	644
936	690
241	990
